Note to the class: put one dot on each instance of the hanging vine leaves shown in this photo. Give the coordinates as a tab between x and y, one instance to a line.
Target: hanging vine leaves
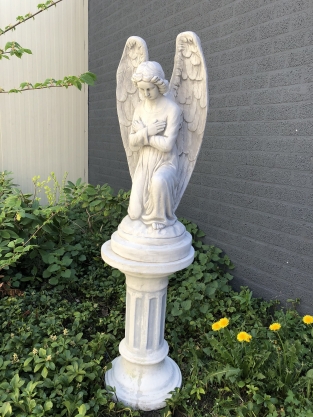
21	19
15	49
70	81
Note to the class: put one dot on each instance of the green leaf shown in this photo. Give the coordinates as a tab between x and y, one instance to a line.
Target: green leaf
52	366
204	308
42	353
258	398
4	385
186	305
211	288
46	274
47	228
12	234
53	268
6	409
87	78
309	374
66	274
78	337
176	312
28	360
38	366
48	405
95	203
78	84
207	351
44	372
51	259
66	261
15	381
38	409
91	191
68	230
31	216
82	410
54	281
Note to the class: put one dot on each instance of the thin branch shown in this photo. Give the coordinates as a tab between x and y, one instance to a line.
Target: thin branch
30	16
34	88
43	224
69	81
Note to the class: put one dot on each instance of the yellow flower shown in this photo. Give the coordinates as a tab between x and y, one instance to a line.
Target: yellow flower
216	326
274	327
35	351
48	358
65	332
224	322
53	337
244	337
308	319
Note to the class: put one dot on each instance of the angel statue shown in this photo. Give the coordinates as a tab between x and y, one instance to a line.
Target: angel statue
162	126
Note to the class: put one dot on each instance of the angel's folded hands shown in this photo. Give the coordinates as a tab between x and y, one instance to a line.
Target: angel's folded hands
156	128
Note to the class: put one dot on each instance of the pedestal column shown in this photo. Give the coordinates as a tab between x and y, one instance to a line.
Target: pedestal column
144	375
145	318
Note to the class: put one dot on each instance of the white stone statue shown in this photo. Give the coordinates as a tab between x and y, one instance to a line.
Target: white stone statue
162	127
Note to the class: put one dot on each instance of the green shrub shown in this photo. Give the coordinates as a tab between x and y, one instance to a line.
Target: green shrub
54	243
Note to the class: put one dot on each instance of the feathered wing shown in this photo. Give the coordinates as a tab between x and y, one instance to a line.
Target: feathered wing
135	52
189	88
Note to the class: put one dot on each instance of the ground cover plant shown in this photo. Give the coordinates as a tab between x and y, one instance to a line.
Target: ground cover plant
63	311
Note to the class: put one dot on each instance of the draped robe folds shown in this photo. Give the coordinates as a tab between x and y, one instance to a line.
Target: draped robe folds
155	180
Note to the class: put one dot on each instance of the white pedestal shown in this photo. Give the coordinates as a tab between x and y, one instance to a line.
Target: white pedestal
144	375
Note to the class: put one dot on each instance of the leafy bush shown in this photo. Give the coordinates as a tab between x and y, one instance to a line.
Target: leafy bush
239	356
45	244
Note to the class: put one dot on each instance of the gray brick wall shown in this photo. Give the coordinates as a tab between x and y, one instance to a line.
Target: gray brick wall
252	188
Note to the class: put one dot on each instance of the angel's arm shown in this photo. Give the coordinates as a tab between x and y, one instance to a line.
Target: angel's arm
139	134
165	143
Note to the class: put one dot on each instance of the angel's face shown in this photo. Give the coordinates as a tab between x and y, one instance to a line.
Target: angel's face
148	90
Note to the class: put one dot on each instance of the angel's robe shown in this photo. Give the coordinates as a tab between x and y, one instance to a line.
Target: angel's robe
155	179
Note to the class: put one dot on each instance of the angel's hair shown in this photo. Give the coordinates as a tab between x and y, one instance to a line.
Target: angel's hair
151	72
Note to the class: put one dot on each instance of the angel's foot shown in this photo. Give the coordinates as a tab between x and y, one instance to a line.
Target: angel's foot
157	226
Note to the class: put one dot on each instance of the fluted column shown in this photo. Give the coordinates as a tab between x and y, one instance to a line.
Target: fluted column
145	319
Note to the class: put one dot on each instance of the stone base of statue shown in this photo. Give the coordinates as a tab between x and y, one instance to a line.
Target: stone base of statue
143	376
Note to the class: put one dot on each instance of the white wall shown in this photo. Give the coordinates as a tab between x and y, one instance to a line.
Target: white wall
44	130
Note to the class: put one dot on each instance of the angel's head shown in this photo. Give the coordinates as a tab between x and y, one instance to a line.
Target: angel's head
151	72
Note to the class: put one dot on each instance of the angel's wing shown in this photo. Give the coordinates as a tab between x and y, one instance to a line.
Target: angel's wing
135	52
189	88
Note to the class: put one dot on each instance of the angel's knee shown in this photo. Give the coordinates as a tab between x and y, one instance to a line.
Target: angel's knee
158	182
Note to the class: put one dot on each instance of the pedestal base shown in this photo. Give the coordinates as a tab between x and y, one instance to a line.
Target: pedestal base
143	387
143	376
